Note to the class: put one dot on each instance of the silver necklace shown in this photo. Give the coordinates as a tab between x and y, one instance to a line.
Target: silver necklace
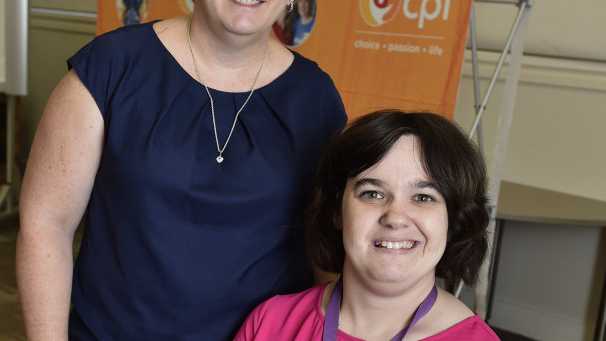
220	149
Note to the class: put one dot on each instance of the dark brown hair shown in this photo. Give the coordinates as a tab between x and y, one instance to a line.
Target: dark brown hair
448	158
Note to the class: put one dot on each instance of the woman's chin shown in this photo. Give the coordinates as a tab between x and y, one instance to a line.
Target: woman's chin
389	279
395	280
245	28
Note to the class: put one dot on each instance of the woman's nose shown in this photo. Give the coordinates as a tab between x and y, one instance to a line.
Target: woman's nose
396	216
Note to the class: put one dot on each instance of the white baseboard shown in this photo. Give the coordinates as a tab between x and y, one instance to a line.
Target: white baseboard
536	323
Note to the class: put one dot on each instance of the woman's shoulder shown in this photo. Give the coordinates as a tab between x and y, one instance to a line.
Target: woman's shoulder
454	308
310	71
451	319
305	88
286	309
125	36
284	317
472	328
304	301
117	47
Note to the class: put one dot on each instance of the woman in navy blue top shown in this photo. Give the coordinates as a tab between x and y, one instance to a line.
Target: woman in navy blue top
192	210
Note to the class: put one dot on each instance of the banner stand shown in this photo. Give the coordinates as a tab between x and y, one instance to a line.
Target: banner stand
475	73
514	49
15	30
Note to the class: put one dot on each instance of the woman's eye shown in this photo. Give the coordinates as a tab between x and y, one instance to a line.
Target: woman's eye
423	198
373	195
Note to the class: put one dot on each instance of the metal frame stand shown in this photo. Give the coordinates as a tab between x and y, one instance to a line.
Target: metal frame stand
514	49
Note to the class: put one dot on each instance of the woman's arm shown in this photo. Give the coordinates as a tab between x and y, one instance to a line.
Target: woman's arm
58	180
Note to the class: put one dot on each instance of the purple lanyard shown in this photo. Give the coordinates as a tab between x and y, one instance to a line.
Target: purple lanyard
331	321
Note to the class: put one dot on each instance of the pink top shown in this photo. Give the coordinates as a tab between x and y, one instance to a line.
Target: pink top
298	317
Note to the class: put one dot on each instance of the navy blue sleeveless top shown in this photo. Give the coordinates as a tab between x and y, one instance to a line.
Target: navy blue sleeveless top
177	246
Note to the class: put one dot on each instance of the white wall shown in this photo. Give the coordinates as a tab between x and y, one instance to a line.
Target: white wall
561	28
557	136
13	48
545	284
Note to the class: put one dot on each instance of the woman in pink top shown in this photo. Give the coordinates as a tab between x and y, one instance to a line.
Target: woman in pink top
399	200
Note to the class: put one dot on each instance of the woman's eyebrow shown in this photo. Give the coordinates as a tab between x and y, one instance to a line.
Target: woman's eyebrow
367	181
426	184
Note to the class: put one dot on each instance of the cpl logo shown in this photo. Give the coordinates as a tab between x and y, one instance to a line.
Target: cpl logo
378	12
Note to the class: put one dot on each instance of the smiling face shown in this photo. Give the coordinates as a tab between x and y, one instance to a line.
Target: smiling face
394	220
241	17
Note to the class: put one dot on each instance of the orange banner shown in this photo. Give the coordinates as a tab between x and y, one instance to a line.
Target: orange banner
404	54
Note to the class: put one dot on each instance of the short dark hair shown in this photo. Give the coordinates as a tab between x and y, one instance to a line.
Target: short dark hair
449	158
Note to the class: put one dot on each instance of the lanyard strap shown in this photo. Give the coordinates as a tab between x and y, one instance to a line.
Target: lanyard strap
331	321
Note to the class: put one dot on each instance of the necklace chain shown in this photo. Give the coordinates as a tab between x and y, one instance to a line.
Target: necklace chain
220	149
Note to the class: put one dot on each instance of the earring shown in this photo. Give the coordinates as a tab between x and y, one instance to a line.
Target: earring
291	5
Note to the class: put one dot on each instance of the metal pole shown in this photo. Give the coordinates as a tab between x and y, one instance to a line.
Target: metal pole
473	36
476	74
459	289
500	152
479	108
497	71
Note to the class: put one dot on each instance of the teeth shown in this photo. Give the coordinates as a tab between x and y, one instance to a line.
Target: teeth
395	245
248	2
